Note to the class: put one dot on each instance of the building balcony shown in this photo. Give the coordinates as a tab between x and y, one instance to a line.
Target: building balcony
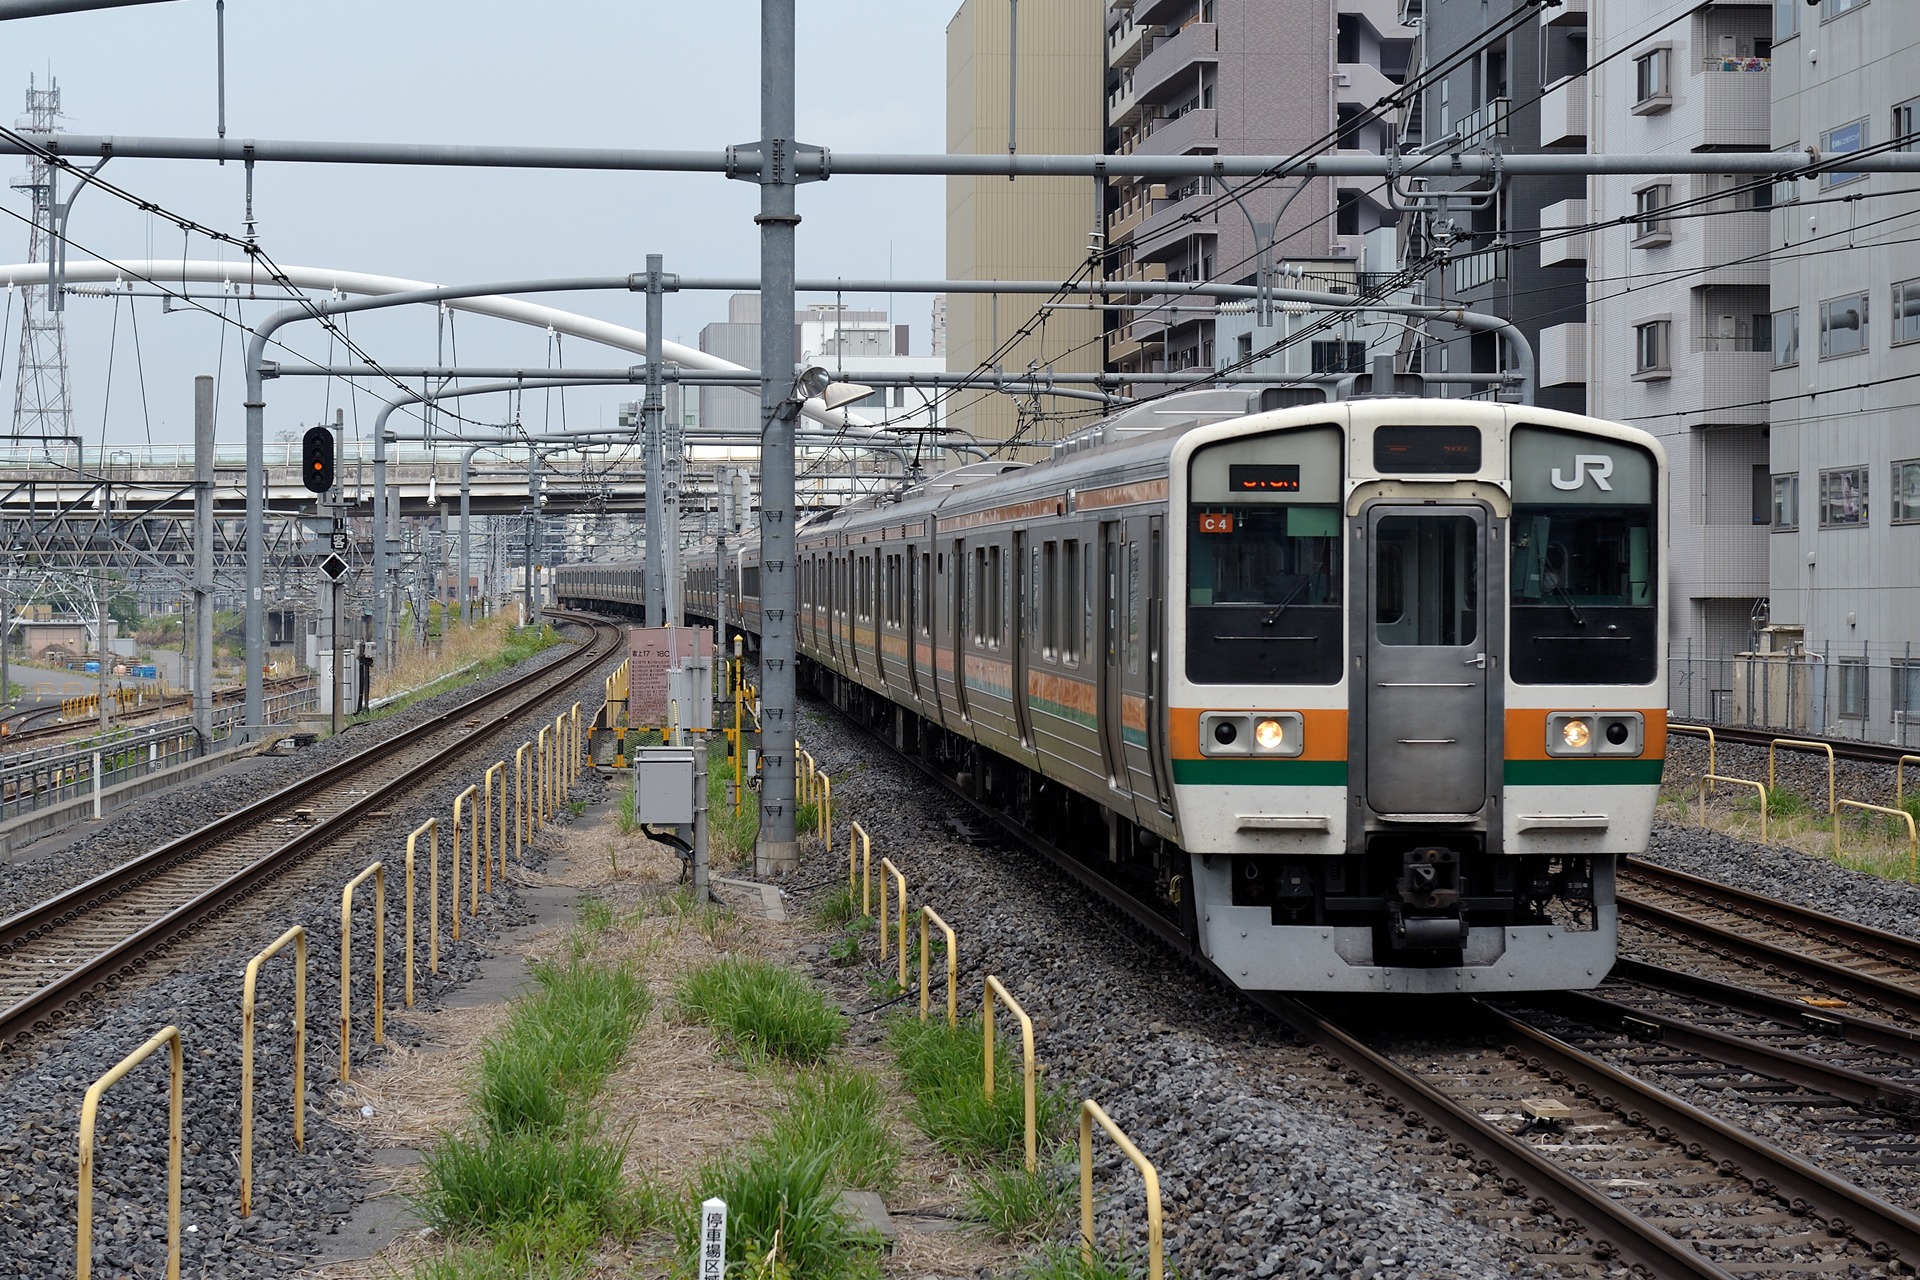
1477	269
1172	135
1175	56
1483	123
1129	42
1155	10
1560	247
1361	84
1737	94
1571	13
1132	212
1563	113
1167	219
1730	385
1563	355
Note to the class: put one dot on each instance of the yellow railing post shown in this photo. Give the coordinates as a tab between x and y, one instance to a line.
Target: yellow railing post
996	988
866	867
928	914
432	827
561	755
887	868
1743	782
825	811
470	798
1705	731
89	1111
499	767
379	874
298	937
1809	746
575	756
522	783
540	782
1900	779
1913	843
1090	1112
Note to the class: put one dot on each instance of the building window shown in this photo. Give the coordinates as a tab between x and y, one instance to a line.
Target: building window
1906	311
1838	142
1786	190
1906	126
1786	18
1843	326
1653	79
1843	498
1832	9
1906	491
1853	687
1339	357
1786	503
1649	227
1762	495
1906	687
1650	347
1786	338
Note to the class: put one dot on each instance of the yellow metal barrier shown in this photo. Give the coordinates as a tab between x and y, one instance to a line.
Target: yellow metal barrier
1705	731
996	988
540	782
470	798
1900	779
499	767
430	827
1090	1112
1807	746
887	868
825	811
89	1111
379	874
298	937
1913	843
803	777
928	914
521	784
558	766
1712	778
859	833
578	745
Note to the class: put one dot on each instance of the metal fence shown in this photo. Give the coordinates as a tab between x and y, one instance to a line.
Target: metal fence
1871	697
45	776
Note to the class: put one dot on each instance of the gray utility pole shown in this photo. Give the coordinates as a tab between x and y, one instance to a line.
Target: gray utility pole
779	406
655	600
106	663
203	561
723	506
533	537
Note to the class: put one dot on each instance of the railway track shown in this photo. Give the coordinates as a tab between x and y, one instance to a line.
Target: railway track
38	726
1843	748
54	954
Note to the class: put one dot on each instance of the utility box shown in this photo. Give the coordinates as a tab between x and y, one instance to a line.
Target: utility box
663	786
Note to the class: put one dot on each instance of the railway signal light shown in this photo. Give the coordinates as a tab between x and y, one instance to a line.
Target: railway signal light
316	459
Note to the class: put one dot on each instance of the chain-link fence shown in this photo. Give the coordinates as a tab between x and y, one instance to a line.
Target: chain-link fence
1870	696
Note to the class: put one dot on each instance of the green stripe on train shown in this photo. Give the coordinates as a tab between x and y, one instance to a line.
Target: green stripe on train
1244	772
1583	773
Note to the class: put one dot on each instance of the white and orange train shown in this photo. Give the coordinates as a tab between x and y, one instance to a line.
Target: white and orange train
1357	696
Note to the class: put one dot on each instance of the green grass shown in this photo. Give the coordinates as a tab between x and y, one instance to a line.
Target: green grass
1017	1204
806	819
560	1249
485	1180
596	915
1781	803
841	907
558	1045
1063	1262
624	820
944	1069
521	644
842	1112
781	1218
761	1010
730	836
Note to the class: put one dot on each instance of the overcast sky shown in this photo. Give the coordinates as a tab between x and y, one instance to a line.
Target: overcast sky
563	73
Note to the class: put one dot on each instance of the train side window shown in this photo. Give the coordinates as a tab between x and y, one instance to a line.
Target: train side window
1134	605
1070	607
1049	600
996	628
1390	585
921	599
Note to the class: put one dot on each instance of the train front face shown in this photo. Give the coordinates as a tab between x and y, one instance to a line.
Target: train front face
1415	704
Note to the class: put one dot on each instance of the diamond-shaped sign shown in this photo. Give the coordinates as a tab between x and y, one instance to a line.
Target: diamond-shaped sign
334	567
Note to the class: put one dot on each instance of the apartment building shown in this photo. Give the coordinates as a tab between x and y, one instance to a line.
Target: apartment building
1240	77
1679	324
1517	84
1844	363
1032	228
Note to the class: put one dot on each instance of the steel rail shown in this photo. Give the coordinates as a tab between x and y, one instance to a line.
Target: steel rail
1886	753
1869	1033
47	1005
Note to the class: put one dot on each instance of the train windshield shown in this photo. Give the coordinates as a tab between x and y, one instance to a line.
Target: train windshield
1583	577
1263	595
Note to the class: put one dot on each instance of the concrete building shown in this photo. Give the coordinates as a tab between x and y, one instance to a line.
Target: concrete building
1844	562
737	339
1678	317
1240	77
1519	86
1032	228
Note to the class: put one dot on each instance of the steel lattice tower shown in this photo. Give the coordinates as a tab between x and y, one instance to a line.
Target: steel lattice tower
42	396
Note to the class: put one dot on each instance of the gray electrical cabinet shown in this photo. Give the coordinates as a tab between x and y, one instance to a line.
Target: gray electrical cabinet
663	786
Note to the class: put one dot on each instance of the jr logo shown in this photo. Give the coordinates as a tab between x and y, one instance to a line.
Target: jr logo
1599	465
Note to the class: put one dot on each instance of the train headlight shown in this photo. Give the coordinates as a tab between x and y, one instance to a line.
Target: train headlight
1251	733
1596	733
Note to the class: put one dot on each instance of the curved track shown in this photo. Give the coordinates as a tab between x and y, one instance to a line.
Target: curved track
60	950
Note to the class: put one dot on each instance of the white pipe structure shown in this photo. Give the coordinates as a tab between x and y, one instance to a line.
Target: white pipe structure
207	271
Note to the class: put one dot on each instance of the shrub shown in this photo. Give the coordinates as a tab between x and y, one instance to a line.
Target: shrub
490	1180
944	1069
559	1044
843	1113
782	1220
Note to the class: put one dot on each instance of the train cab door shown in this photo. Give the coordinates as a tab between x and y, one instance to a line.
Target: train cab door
960	623
1113	613
1427	664
1019	636
910	619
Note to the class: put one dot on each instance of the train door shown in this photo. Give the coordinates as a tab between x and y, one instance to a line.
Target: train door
1156	615
1427	667
1022	594
910	620
958	577
1113	612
